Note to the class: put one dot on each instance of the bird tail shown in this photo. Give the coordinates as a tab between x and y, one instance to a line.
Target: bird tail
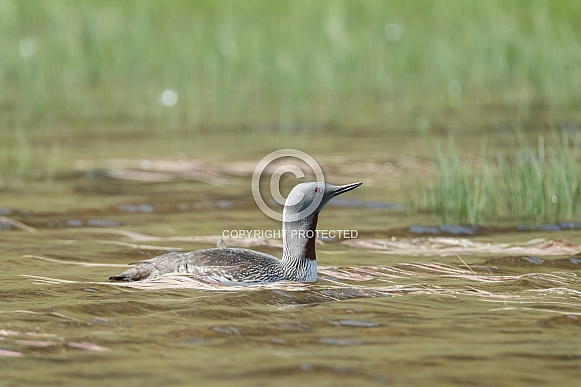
134	274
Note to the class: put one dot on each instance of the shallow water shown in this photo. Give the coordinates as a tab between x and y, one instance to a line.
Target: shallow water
392	307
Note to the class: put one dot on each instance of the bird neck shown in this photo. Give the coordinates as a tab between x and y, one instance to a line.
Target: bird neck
298	240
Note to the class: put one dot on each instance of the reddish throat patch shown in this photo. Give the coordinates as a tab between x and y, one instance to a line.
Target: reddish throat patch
312	236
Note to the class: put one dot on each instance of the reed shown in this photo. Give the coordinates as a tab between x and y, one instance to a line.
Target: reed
251	62
533	182
256	64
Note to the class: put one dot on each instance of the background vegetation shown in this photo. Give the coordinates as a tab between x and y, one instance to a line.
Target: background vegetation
243	61
538	182
194	67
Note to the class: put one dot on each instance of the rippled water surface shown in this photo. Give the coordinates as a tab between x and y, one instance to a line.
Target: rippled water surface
391	307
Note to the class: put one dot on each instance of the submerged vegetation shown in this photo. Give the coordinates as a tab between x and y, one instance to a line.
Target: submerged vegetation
132	128
534	182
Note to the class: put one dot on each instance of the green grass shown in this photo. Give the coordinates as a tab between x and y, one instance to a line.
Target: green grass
248	62
99	68
533	182
15	158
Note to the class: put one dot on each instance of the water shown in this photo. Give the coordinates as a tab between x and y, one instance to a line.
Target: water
412	309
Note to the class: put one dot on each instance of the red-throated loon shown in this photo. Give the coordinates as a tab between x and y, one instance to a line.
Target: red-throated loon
233	266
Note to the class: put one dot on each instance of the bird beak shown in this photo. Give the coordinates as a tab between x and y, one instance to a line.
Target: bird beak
344	188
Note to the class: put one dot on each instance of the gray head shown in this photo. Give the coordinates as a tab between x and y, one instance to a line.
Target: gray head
307	199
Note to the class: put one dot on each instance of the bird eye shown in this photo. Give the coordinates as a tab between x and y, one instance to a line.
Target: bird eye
317	190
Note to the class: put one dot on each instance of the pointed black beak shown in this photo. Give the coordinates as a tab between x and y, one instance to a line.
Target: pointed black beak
344	188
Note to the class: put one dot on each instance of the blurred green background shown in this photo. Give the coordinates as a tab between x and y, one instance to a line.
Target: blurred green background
96	79
242	62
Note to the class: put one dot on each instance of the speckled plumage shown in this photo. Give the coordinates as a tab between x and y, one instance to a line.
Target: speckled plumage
234	266
225	265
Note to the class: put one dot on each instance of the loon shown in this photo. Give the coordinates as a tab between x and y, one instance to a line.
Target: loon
235	266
